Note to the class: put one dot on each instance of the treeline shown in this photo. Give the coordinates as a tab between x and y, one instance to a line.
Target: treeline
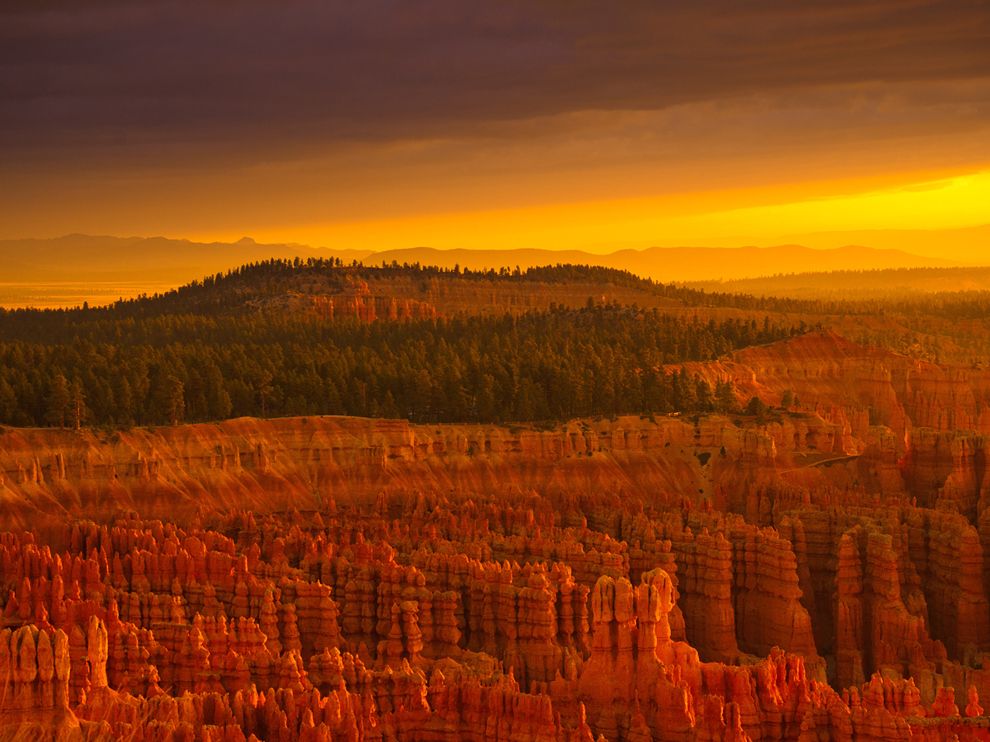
230	290
224	292
186	367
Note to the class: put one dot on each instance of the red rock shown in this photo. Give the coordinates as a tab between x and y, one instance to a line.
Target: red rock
476	582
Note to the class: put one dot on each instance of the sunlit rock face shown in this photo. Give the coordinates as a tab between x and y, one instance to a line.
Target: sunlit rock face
818	573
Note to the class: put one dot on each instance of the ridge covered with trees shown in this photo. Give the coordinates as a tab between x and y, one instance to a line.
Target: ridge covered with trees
187	356
230	291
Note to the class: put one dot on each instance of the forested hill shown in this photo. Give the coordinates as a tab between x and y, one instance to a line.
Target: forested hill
328	286
428	344
229	346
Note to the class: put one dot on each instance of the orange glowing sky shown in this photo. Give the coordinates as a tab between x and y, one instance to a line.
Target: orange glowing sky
496	125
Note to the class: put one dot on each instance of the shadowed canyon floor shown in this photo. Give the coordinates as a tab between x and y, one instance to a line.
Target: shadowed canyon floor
811	573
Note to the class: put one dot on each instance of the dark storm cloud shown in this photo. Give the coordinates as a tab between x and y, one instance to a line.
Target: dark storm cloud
140	81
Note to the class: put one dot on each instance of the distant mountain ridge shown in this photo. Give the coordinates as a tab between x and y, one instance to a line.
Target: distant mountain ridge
892	283
679	263
952	243
66	271
78	257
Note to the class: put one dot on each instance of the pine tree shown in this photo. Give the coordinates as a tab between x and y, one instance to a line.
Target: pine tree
725	398
703	396
123	400
265	391
77	404
59	399
756	407
8	401
175	399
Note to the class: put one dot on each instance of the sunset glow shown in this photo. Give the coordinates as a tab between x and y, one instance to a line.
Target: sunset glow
520	125
764	216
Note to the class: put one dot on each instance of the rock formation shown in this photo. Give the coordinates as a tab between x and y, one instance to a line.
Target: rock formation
820	574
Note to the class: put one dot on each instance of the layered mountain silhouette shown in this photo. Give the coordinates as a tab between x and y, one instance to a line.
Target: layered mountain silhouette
169	261
678	263
80	257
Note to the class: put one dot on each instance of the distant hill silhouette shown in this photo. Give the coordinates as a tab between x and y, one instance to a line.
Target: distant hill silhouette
858	285
678	263
79	257
961	243
68	270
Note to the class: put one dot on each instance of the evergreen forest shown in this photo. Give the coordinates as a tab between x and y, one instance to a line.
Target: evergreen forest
196	355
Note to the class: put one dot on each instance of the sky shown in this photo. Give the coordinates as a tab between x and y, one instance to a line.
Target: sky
384	124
